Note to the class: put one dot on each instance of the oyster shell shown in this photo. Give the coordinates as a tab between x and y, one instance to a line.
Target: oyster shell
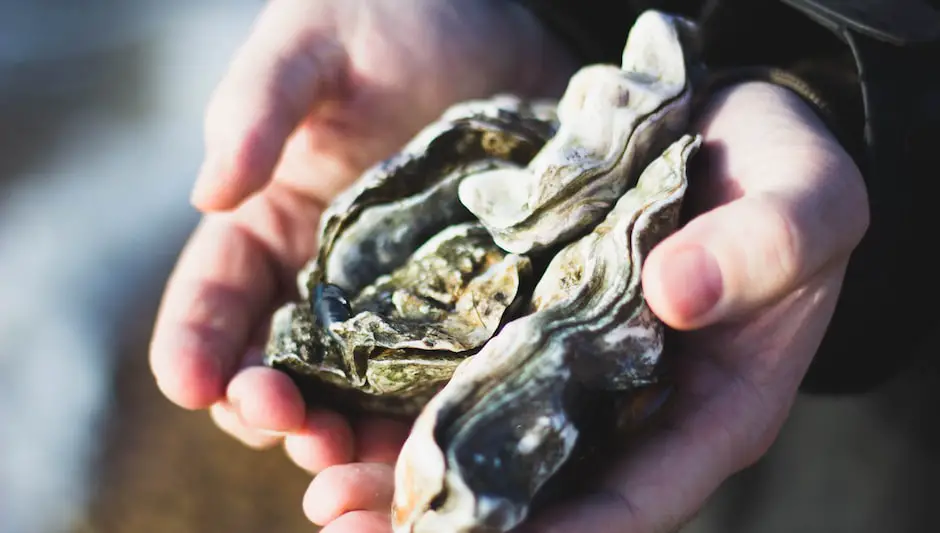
614	121
406	284
488	278
394	207
510	417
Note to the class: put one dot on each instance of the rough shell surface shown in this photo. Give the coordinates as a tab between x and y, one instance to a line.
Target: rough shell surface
488	278
406	284
509	418
613	122
397	205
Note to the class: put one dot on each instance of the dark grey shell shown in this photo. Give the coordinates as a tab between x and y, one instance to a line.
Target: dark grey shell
510	418
487	280
397	205
406	285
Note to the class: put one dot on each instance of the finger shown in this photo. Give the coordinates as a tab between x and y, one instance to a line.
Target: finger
228	421
793	202
360	522
288	63
266	399
223	290
221	286
379	440
325	440
741	257
348	488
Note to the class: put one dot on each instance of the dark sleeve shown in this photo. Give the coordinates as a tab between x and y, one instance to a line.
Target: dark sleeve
871	69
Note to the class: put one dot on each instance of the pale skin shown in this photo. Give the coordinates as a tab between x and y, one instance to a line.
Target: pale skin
320	90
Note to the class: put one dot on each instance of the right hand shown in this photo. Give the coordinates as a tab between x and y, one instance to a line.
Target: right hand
750	282
320	91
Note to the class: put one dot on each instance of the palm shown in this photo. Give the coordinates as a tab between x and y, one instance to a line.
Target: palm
365	77
320	91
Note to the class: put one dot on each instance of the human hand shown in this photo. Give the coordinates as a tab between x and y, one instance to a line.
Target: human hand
319	91
751	282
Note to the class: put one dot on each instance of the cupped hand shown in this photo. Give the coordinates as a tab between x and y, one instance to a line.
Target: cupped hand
319	91
750	282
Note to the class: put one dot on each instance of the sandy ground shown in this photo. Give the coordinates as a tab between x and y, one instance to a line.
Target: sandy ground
98	147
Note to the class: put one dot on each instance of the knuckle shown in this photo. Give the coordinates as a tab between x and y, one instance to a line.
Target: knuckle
843	195
854	200
784	249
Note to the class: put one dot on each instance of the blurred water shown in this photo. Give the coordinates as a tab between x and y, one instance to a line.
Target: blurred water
93	218
43	42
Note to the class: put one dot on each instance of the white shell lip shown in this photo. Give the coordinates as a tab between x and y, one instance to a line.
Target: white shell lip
615	121
611	124
432	495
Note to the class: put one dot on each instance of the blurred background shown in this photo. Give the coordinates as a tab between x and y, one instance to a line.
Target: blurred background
100	137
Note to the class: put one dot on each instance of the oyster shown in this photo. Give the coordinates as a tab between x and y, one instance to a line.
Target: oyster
510	417
394	207
401	338
487	280
405	283
614	121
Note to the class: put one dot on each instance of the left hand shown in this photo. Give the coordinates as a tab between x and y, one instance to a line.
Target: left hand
319	91
751	281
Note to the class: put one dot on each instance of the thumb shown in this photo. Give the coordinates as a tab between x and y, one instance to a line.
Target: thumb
744	255
797	204
288	63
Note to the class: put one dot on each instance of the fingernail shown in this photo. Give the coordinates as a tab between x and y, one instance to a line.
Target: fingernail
692	278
